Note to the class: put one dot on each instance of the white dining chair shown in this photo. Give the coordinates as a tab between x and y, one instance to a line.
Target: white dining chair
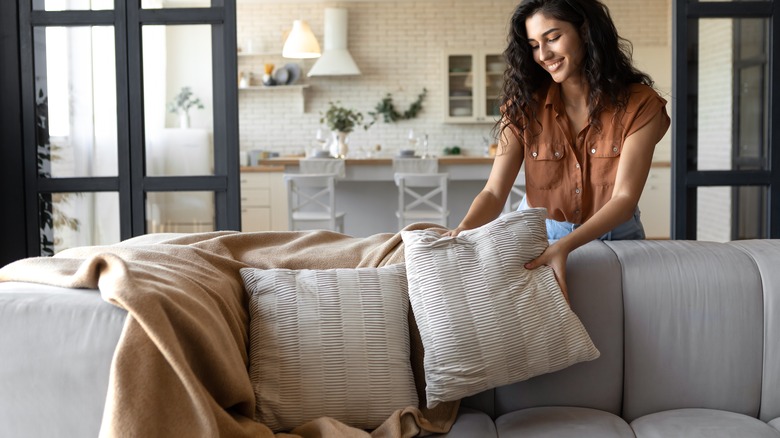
422	197
311	200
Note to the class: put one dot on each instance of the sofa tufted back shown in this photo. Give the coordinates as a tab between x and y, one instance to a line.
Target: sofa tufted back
694	327
678	323
766	255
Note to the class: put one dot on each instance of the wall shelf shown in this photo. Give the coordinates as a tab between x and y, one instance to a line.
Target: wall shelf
249	54
273	87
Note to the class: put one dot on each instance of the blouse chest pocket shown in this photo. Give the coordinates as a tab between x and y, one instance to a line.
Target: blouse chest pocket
604	158
544	165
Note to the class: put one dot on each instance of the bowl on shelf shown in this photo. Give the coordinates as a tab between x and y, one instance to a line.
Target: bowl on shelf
496	67
461	112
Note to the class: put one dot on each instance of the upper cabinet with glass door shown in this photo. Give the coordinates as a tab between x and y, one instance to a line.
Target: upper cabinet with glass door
473	81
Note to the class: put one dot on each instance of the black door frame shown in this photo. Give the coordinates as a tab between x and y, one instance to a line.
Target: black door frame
13	221
685	178
131	182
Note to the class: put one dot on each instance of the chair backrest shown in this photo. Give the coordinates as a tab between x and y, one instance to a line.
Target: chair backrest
415	165
322	166
311	194
418	194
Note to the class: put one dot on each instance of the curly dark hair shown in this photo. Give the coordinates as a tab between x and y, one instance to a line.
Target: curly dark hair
607	64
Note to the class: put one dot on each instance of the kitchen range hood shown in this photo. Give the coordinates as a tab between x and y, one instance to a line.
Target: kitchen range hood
335	59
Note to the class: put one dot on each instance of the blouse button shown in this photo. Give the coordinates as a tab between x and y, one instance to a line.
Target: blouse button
614	149
577	191
577	165
534	154
557	154
593	151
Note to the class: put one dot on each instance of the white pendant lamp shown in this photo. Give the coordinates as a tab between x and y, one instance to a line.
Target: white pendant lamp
301	42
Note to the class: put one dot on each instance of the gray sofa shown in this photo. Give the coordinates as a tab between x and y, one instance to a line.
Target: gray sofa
689	334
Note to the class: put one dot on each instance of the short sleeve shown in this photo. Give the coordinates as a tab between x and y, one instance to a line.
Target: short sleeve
643	105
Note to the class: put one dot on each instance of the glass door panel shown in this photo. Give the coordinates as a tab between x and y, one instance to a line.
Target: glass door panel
178	100
460	91
179	212
494	81
75	111
165	4
72	5
74	219
731	213
732	104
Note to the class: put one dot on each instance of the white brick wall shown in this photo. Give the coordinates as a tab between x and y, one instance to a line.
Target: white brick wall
398	46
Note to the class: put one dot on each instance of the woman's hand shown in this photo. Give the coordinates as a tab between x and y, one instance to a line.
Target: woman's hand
554	256
455	231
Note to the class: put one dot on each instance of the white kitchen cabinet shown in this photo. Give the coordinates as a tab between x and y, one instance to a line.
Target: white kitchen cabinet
263	201
473	81
656	203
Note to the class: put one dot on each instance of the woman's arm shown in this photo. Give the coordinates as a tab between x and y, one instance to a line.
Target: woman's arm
489	203
633	168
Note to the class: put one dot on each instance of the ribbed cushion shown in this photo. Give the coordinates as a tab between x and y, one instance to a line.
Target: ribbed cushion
486	321
329	343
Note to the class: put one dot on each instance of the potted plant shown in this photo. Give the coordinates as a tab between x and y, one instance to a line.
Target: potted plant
341	121
181	105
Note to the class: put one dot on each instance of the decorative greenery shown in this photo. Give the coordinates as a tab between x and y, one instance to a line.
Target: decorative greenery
49	218
386	108
341	119
183	101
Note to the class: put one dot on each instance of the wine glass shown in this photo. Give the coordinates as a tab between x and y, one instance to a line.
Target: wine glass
411	139
425	147
320	138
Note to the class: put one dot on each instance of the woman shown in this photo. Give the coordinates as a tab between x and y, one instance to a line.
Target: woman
584	121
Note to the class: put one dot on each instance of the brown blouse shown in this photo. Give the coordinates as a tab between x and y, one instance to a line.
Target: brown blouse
573	176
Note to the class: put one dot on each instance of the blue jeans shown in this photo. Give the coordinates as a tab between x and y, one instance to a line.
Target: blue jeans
631	229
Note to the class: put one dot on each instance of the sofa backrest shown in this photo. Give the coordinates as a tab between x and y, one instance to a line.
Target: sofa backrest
694	327
766	255
594	283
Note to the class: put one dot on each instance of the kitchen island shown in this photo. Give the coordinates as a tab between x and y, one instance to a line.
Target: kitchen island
369	196
367	193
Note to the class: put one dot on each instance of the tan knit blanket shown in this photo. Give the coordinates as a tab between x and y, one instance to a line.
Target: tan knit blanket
180	368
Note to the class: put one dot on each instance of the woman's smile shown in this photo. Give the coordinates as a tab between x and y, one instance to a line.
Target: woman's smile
552	67
556	46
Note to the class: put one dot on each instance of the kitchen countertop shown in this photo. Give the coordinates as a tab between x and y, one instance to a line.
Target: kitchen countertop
277	164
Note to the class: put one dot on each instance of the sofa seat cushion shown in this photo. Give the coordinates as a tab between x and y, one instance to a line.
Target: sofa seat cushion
775	423
701	423
562	422
471	423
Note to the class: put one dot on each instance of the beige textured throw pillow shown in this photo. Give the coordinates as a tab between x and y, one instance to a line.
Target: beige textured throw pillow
329	343
485	320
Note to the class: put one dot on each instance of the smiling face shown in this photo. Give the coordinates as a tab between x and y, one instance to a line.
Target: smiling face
556	46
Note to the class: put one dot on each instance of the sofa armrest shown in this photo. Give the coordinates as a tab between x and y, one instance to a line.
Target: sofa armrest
56	348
